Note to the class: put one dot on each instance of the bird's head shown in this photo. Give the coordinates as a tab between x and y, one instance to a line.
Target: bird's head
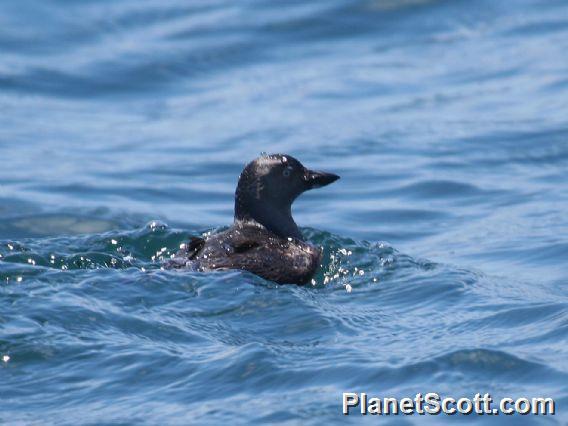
269	185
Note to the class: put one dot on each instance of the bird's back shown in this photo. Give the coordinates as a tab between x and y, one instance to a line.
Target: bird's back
253	248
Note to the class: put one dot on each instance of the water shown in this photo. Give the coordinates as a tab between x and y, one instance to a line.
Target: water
445	240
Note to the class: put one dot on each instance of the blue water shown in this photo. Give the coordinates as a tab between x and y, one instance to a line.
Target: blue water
124	127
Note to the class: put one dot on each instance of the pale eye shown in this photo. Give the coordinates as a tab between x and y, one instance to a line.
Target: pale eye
286	172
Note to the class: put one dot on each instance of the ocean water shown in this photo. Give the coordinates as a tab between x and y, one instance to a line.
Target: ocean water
123	128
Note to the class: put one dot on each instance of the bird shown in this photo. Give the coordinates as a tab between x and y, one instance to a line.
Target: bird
264	238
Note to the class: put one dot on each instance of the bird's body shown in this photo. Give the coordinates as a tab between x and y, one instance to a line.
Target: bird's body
250	247
264	239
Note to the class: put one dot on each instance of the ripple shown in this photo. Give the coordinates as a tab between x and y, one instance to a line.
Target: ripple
166	330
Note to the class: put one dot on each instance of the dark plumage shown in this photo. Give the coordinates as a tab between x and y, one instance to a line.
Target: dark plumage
264	239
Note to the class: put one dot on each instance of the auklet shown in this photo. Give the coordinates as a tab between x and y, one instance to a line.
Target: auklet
264	239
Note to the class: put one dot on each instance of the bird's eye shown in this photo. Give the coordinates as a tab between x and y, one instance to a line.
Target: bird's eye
286	172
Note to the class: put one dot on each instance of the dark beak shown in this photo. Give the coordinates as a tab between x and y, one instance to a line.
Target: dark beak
318	179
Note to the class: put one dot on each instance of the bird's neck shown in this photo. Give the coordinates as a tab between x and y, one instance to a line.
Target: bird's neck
276	219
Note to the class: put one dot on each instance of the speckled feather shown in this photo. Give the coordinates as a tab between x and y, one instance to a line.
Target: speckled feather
253	248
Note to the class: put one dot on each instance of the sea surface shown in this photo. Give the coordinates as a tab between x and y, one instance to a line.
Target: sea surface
124	126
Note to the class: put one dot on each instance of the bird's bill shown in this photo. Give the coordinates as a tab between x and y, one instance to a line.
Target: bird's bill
316	179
